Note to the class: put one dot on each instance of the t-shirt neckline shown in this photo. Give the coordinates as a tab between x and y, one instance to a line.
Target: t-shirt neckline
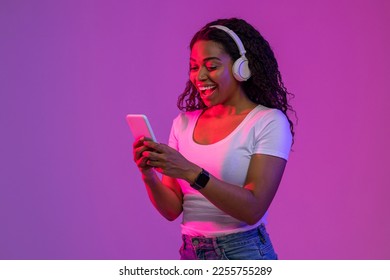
242	123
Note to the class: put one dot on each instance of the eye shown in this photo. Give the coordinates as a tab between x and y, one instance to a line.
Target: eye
211	68
193	68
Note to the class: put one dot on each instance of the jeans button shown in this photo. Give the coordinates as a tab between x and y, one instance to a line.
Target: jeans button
195	242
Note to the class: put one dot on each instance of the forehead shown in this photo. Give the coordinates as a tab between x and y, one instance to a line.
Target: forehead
205	49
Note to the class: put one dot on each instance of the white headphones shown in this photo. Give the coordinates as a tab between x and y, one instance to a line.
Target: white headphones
240	67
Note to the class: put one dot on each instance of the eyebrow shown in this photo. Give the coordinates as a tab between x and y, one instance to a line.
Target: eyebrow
207	58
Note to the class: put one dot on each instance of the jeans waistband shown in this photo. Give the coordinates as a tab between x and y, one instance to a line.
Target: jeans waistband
226	238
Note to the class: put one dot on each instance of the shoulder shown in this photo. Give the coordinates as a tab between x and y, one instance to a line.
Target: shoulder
183	119
269	114
264	116
272	132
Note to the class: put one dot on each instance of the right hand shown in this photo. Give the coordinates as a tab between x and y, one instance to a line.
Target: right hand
139	159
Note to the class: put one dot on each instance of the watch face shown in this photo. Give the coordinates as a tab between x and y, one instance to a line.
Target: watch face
202	180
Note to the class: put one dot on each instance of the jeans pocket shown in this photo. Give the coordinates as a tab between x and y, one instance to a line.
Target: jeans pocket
240	251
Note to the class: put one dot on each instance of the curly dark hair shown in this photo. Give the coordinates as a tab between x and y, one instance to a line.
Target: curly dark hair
264	87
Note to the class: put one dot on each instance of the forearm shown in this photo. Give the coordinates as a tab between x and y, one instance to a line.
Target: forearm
164	199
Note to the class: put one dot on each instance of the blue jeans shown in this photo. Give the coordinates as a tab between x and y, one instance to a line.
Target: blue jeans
253	244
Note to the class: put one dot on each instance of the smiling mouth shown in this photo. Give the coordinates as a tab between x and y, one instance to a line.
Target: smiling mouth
207	90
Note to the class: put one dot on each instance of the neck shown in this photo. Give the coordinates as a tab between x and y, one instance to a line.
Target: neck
241	106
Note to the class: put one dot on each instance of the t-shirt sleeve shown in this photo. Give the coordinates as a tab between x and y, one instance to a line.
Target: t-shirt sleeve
173	140
273	136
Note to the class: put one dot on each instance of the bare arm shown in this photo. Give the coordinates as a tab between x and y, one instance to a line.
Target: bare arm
247	204
251	202
165	194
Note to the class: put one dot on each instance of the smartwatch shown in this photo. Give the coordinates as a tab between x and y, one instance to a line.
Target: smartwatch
201	181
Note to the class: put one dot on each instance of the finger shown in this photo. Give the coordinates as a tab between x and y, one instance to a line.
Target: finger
139	152
155	164
148	139
139	142
153	156
142	162
155	146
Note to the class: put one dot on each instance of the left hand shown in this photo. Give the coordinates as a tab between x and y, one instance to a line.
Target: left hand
170	162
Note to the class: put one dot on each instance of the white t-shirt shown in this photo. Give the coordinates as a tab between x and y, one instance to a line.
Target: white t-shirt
263	131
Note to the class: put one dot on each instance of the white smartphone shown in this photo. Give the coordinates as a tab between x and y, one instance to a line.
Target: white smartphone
140	126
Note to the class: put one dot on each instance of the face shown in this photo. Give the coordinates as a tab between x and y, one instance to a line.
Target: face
211	74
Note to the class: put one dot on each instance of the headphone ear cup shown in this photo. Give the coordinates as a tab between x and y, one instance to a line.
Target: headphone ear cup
241	69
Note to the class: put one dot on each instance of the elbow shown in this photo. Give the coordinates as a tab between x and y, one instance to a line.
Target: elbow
251	222
253	218
171	216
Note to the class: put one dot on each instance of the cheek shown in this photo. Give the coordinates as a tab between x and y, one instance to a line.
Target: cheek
223	78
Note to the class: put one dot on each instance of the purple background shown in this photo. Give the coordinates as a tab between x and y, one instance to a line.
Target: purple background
71	70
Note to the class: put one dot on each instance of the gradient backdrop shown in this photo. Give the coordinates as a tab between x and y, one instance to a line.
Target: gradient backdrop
71	70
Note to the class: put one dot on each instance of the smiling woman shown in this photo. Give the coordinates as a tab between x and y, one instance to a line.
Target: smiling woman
228	151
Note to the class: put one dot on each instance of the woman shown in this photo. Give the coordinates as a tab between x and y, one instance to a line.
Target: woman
227	152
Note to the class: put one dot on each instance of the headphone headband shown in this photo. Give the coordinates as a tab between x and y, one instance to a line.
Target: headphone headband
234	36
240	69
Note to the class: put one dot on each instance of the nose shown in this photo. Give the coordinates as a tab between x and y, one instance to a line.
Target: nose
202	74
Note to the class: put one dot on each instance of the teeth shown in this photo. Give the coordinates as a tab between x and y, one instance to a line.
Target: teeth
206	88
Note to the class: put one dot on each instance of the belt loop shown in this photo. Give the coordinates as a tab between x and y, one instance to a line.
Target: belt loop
216	247
262	239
